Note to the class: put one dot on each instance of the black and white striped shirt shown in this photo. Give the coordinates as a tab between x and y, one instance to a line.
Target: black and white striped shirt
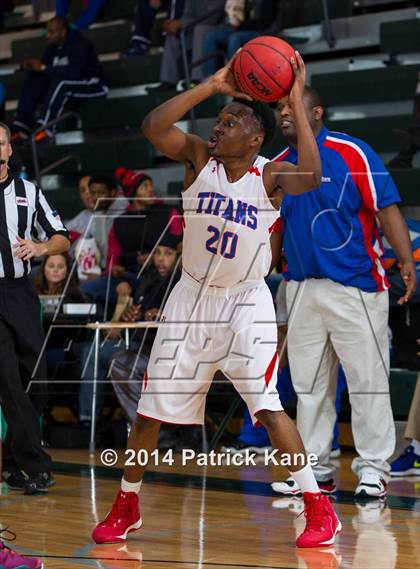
24	212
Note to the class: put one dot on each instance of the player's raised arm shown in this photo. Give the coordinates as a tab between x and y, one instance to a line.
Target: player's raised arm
306	175
159	125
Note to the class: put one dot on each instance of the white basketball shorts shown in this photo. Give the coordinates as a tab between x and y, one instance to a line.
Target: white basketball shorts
231	330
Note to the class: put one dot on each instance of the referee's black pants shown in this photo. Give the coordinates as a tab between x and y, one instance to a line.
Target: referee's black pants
21	361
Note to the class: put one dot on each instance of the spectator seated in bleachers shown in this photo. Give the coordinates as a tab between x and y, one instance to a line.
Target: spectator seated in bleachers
169	71
92	248
88	15
54	279
133	235
153	288
77	226
145	17
256	18
69	70
404	158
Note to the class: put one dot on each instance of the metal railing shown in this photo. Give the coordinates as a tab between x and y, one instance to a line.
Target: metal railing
38	171
329	36
184	50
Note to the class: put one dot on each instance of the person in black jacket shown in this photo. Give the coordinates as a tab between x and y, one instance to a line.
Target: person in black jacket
69	69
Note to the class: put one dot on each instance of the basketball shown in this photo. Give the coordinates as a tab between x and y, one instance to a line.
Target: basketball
262	68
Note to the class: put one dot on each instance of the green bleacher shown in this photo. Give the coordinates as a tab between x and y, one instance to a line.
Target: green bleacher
408	183
132	70
379	85
311	10
379	132
130	111
106	39
122	10
100	156
400	37
66	202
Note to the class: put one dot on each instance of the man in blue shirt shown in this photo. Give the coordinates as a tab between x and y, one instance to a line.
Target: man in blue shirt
337	296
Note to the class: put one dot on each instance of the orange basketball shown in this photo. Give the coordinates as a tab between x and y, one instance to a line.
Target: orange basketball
262	68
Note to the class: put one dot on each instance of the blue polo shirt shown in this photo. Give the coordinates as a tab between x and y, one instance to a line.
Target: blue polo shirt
331	232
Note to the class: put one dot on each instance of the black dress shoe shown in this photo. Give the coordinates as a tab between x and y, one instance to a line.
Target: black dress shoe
39	483
16	480
162	87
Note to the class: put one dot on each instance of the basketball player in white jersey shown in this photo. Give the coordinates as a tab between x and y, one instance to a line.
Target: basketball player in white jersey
220	316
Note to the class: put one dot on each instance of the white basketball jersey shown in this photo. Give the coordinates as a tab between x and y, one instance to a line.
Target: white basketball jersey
227	226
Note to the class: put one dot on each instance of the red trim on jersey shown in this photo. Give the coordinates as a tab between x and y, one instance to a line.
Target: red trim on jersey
145	380
277	226
358	171
270	369
254	170
282	155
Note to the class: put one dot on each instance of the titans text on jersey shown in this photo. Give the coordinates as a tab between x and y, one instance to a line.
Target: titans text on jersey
232	209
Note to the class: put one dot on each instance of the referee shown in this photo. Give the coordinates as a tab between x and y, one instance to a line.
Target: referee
24	215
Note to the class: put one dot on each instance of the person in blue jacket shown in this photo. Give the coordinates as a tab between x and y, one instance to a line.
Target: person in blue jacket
68	69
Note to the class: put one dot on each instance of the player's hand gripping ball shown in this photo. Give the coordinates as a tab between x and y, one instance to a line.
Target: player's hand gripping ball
263	69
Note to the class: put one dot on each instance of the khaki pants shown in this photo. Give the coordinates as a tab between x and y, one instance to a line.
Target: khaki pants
412	430
330	323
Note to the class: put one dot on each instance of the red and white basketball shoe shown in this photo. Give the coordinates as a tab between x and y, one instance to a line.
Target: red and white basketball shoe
123	518
322	523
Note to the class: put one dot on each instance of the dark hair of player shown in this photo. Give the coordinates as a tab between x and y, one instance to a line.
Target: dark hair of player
264	117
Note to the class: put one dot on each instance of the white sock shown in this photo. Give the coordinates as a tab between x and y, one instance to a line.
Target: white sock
305	479
130	486
416	446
